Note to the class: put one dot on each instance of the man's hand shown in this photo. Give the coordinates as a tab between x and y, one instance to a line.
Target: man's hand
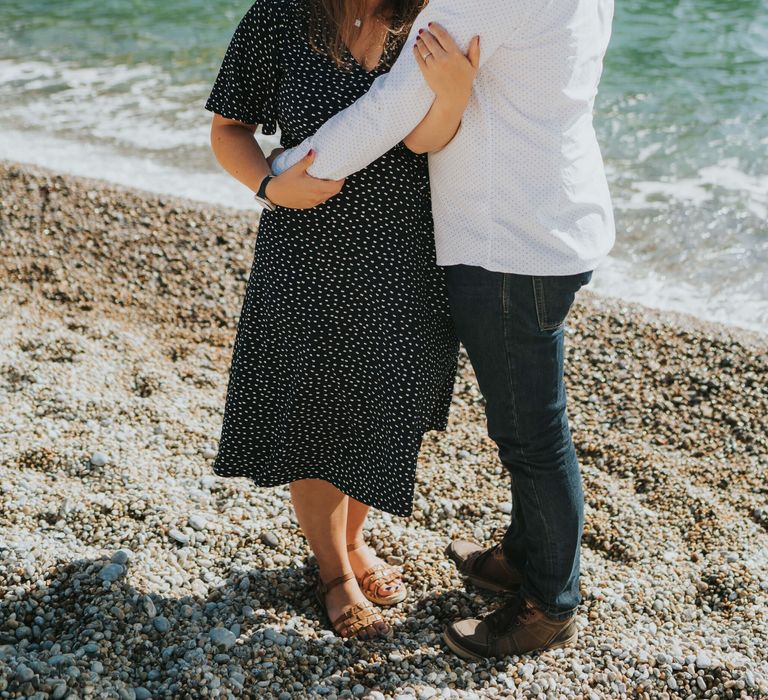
295	189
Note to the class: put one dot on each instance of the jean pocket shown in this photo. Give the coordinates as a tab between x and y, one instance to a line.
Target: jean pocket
554	297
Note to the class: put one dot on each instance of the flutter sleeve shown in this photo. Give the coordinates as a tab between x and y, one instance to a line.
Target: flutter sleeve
246	85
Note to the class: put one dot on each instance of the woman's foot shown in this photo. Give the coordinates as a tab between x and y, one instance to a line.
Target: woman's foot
350	612
380	583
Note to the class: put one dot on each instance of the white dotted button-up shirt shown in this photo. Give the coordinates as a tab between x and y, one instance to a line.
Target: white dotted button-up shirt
521	188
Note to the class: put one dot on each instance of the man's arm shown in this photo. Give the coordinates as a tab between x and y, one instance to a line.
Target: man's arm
400	99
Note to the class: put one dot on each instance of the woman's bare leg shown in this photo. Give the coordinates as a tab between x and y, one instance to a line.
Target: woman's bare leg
322	513
364	557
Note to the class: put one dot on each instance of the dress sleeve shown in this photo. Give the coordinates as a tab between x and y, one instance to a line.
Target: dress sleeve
246	85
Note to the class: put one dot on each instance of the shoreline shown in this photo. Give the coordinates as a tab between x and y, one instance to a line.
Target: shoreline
653	292
118	311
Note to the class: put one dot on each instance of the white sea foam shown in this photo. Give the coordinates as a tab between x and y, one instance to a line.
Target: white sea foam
101	162
131	106
726	175
623	279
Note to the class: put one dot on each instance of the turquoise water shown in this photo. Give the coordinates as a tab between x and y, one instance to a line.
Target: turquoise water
115	89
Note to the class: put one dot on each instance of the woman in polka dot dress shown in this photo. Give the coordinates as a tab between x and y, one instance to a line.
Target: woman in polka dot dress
345	352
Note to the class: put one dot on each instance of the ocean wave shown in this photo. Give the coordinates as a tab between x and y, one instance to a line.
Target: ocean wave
132	106
751	190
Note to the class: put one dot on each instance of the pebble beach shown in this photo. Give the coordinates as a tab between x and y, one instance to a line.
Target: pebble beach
128	570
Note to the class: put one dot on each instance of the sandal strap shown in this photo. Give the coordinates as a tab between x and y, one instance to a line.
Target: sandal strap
356	545
325	587
356	617
379	576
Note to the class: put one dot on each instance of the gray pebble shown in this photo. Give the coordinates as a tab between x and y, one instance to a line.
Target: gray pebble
179	536
24	673
61	660
99	459
111	572
142	693
358	690
275	636
162	624
270	539
121	556
198	522
59	691
222	637
149	606
505	507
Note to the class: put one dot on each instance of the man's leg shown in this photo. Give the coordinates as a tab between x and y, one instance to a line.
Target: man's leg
512	328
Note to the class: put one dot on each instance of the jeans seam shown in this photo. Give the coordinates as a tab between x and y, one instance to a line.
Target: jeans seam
505	322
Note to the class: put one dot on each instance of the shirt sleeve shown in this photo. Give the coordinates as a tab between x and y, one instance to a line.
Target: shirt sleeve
246	85
400	99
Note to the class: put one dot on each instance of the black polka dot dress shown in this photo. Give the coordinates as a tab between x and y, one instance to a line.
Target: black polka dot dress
345	353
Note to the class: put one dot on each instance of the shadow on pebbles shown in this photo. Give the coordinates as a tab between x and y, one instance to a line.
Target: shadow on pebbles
127	570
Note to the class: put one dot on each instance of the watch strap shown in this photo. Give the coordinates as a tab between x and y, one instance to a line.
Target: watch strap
262	193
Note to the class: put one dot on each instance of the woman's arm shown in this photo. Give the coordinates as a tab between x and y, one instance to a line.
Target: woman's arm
239	153
450	75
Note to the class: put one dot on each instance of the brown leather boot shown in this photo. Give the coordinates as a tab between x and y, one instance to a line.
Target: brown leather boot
518	627
486	568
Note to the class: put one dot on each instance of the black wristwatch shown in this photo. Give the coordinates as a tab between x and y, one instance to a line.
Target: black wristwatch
261	195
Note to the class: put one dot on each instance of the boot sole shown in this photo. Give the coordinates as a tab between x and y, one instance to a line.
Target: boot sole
459	650
478	581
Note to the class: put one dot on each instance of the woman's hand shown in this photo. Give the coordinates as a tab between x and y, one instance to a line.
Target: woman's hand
241	156
296	189
449	73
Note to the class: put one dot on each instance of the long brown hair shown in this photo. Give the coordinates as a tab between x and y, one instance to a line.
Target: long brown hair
332	20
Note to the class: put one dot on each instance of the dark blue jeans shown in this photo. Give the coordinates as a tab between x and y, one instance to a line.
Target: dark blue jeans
512	327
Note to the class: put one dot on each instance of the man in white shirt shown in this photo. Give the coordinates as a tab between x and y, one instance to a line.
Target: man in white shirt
522	216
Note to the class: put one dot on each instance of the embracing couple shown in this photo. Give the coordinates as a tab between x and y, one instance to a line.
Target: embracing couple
373	260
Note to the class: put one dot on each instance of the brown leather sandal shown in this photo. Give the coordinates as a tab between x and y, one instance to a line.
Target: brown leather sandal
376	578
354	618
